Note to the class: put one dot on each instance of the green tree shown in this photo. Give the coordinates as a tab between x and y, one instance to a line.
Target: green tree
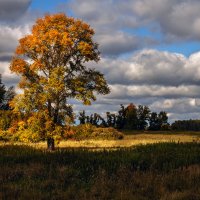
154	122
2	91
131	117
158	121
143	113
82	117
121	118
52	62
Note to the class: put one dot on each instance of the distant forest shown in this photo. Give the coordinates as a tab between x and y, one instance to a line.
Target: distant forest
138	118
130	117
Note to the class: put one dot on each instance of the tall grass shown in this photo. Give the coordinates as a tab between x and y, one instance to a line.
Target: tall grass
156	171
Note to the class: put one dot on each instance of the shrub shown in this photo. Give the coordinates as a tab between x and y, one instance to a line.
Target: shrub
107	133
88	131
83	131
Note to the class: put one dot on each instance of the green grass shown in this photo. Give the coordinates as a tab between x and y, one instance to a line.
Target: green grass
155	171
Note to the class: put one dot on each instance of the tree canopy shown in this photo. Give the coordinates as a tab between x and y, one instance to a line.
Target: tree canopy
52	62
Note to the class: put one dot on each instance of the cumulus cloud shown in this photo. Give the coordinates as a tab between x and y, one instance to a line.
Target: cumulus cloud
8	78
145	91
9	39
176	19
11	10
117	43
9	36
101	14
153	67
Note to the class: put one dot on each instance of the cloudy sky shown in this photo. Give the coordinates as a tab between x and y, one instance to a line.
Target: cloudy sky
150	49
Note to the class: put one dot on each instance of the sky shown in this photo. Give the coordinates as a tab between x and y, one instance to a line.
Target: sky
150	50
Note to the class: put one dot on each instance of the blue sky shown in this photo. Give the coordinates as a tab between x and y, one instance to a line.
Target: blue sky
46	5
149	49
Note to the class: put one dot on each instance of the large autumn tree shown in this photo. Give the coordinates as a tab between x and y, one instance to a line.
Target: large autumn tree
52	62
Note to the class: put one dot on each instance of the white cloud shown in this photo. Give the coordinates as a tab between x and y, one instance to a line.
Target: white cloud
176	19
8	78
9	37
117	43
152	67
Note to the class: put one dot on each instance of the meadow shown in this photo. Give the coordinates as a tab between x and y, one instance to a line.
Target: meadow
131	138
166	170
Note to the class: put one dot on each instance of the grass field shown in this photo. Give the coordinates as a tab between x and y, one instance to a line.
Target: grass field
155	171
166	168
130	139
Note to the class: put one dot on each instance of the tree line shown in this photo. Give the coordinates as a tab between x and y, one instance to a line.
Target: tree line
130	117
186	125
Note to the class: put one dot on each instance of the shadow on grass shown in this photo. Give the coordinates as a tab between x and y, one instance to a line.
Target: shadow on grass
154	171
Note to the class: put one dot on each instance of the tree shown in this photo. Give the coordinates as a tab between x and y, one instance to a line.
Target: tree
82	117
131	117
110	119
142	115
163	119
154	122
158	121
2	91
52	64
121	118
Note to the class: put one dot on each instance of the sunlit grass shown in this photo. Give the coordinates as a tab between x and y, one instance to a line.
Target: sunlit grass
128	141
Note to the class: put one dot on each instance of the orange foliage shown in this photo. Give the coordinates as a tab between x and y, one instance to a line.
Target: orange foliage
18	65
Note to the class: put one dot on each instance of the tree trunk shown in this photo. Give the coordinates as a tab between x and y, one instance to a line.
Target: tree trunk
50	144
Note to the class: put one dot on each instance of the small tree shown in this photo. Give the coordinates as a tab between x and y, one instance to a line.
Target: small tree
131	117
52	64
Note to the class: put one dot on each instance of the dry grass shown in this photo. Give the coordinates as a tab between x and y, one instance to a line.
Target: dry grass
164	171
128	141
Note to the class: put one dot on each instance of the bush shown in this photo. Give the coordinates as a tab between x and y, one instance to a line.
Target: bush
83	131
88	131
107	133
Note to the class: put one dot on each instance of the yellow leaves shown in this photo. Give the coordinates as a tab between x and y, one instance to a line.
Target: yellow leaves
56	81
85	48
87	102
66	40
21	125
49	125
17	103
